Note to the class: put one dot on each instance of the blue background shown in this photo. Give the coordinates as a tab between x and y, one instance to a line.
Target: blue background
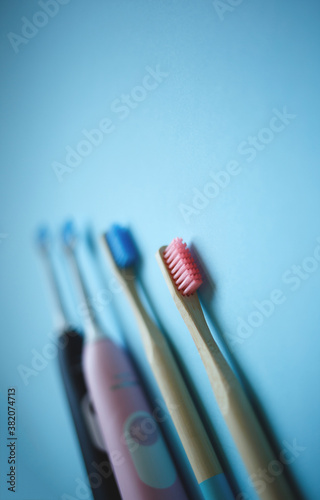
224	78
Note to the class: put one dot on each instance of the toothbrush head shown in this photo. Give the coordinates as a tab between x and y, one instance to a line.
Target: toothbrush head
181	265
43	238
122	247
69	235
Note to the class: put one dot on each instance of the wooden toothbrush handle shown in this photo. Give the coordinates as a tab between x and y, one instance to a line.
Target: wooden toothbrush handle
254	448
236	409
192	433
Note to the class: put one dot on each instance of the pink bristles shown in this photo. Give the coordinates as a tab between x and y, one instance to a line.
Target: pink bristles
182	267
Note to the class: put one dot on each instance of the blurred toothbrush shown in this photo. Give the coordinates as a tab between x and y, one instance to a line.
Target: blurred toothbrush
141	462
70	356
123	257
183	279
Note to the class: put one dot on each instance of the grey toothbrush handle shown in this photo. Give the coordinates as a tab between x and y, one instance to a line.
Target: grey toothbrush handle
96	460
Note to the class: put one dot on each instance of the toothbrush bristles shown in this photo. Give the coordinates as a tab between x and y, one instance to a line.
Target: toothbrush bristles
182	267
69	235
43	237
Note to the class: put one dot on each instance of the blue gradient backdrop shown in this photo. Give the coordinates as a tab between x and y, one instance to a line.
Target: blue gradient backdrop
224	78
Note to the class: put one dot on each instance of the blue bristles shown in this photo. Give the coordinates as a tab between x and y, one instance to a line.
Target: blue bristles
43	237
69	234
122	246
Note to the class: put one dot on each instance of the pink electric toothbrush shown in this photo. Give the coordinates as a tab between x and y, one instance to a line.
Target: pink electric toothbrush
142	465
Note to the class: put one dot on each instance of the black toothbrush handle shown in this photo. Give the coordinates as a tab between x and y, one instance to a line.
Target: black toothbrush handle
103	485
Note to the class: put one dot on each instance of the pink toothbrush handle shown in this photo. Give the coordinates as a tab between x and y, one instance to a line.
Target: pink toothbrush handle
140	459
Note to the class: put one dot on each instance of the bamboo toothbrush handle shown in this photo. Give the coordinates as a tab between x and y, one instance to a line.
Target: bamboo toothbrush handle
191	431
255	449
242	422
195	440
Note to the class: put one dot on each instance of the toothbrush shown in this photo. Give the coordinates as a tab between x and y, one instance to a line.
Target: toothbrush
141	462
123	256
183	279
69	356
